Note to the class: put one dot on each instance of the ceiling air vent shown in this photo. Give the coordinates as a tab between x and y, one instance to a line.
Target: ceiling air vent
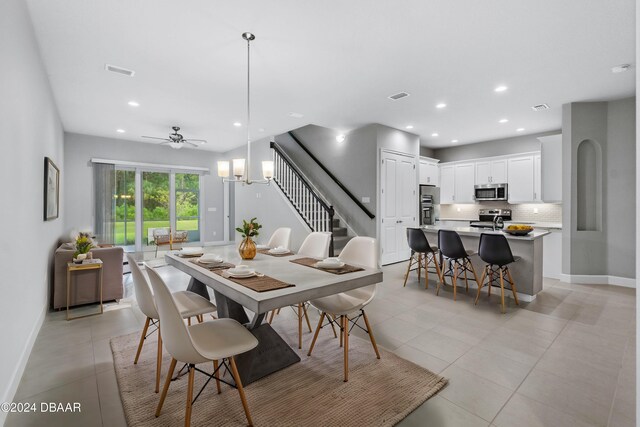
399	95
540	107
119	70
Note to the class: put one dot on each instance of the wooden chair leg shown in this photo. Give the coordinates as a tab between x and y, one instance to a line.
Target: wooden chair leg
419	265
217	375
502	290
236	378
406	276
187	413
142	338
345	322
315	336
373	340
484	274
437	264
306	316
159	361
341	332
189	321
455	280
172	367
272	315
300	325
473	271
466	279
333	328
426	271
513	286
490	280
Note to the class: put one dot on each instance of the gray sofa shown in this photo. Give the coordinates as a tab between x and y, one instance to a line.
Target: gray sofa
85	287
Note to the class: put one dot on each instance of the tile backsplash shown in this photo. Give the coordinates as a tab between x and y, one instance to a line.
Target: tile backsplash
547	212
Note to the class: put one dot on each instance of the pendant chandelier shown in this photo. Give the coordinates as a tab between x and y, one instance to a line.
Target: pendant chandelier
241	167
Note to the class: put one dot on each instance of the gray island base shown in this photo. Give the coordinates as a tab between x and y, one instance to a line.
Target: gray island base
526	272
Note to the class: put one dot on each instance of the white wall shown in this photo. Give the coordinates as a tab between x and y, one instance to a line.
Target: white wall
79	149
32	130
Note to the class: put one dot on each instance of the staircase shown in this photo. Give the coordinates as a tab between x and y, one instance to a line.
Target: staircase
312	207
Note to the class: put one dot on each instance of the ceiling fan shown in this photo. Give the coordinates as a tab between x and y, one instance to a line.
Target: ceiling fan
177	141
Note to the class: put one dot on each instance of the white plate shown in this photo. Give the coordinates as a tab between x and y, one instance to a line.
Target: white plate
278	251
241	272
262	247
329	265
250	273
192	250
210	259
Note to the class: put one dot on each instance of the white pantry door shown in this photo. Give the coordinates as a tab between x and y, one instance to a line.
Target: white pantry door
398	204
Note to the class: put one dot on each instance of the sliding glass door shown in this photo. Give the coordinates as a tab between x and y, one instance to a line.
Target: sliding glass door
124	197
187	201
155	204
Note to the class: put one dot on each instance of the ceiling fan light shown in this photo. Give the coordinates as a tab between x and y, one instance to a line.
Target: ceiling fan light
175	145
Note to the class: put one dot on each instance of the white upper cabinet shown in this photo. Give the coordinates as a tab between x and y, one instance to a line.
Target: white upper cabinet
537	179
521	179
464	182
429	171
447	184
551	164
491	171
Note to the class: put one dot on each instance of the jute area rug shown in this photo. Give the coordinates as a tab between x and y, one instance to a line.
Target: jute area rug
310	393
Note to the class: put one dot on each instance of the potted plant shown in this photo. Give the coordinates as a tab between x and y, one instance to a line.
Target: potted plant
248	230
83	243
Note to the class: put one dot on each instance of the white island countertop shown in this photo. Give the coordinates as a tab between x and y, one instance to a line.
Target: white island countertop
476	232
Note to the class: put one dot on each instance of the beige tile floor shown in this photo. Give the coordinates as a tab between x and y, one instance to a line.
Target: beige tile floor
567	359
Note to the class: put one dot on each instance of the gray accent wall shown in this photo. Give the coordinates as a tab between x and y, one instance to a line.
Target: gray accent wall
32	131
610	248
496	147
80	149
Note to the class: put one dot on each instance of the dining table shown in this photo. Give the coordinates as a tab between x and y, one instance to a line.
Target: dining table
249	307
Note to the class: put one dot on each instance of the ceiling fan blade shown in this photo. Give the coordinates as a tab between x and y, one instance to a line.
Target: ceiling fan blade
190	143
154	137
202	141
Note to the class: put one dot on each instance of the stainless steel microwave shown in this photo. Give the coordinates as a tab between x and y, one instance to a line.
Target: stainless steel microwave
490	192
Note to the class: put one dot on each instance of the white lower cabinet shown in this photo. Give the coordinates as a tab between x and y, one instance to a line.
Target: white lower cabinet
552	254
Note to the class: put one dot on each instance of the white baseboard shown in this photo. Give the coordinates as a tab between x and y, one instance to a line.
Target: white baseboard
594	279
12	387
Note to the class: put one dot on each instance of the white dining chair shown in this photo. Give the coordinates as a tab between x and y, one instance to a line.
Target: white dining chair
211	341
315	245
189	304
349	306
280	238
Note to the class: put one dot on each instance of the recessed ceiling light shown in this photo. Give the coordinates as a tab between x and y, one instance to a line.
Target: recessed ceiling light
519	129
340	138
133	103
120	130
454	140
434	134
296	115
441	105
237	124
620	68
409	127
500	89
261	130
503	120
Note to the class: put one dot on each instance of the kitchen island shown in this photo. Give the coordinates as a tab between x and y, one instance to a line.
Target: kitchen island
526	272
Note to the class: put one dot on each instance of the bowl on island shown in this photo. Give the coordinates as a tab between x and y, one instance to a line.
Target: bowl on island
518	229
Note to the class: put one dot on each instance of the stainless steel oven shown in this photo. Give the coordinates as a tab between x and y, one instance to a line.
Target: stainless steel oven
429	199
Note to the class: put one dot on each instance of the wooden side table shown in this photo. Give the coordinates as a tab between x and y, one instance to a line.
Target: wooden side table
96	264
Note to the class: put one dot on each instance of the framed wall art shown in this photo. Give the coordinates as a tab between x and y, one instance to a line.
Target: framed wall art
51	190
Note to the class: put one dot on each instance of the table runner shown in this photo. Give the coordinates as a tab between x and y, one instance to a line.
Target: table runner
266	252
311	262
256	283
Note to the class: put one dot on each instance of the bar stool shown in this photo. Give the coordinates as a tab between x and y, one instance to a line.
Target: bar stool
453	250
420	246
494	249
